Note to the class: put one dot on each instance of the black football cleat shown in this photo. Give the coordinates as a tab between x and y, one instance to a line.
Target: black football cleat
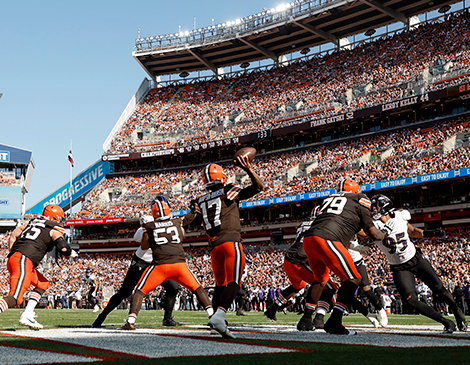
271	313
461	321
319	321
449	326
338	330
128	327
170	322
305	324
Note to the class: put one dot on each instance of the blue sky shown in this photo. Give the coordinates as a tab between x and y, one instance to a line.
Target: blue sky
67	72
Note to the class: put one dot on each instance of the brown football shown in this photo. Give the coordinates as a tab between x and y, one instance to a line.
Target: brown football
250	152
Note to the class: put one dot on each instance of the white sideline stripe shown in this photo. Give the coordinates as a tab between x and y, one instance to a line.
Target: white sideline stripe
136	342
16	356
171	342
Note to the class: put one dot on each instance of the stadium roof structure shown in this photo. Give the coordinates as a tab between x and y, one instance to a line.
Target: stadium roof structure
15	156
273	33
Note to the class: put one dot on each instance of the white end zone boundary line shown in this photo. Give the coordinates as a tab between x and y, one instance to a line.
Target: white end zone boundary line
197	341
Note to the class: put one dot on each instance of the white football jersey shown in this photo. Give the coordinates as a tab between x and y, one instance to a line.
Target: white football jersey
145	255
397	246
356	256
89	279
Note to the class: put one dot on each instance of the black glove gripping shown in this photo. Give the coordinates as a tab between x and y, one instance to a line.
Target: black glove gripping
437	232
192	206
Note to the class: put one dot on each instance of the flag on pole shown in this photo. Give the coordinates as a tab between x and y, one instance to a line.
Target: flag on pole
71	157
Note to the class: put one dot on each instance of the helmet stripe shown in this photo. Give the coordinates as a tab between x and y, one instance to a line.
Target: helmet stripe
341	185
160	208
207	173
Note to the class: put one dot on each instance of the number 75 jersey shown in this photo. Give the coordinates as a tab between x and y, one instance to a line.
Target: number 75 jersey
397	246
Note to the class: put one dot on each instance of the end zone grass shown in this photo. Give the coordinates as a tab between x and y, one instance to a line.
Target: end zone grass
254	333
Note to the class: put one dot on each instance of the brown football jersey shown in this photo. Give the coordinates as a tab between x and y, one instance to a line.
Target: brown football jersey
220	213
166	241
341	216
35	240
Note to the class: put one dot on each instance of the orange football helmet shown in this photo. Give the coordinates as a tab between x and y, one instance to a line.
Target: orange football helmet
348	186
54	213
213	175
161	211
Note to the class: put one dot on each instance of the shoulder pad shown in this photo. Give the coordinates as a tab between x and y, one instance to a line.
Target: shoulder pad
404	214
177	221
149	225
365	201
232	191
59	228
138	235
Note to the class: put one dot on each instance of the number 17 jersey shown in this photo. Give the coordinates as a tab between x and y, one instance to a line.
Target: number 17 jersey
220	214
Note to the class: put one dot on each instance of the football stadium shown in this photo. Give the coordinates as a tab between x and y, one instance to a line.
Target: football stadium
230	185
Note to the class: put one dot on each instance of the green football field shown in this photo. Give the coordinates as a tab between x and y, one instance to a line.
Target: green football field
68	338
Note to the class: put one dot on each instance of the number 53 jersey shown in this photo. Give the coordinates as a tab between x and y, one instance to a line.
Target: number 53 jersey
166	241
341	216
397	246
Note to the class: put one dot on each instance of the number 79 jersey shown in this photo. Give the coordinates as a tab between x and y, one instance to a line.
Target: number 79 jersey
341	216
397	246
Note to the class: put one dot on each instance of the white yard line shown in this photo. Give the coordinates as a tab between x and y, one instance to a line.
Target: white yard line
186	341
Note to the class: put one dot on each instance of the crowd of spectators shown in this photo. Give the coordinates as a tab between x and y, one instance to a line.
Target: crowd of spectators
449	255
384	64
8	179
179	115
379	157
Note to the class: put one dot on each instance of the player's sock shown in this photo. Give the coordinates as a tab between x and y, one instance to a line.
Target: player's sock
34	298
426	310
132	317
136	304
280	301
285	294
220	312
216	296
309	310
322	307
373	299
3	305
345	295
361	308
228	295
337	313
203	300
209	311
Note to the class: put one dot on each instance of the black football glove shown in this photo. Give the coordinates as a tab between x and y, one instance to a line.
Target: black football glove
437	232
192	206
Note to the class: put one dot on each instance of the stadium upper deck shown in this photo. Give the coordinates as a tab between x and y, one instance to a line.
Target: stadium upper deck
401	59
430	57
273	33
